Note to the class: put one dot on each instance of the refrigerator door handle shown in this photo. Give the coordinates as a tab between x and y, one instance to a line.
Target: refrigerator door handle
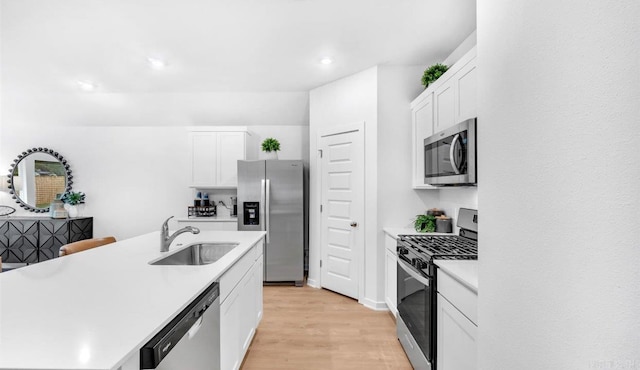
262	204
267	207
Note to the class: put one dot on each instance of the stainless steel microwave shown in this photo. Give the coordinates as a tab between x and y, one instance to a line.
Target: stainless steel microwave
450	155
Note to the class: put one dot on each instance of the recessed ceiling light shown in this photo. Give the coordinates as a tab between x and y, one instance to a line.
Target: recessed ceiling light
326	60
87	85
156	63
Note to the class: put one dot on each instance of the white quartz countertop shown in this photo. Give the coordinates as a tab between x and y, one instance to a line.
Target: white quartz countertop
395	231
464	271
93	309
208	219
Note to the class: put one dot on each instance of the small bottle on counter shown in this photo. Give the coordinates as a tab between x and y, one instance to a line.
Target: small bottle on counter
198	201
205	200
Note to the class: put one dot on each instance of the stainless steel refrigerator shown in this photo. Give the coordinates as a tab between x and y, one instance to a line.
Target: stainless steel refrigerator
271	199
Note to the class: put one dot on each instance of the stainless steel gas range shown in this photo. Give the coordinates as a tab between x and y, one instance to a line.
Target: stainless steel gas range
417	285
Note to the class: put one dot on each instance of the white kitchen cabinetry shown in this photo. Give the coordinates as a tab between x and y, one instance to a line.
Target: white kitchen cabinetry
230	331
422	120
466	90
444	110
241	307
214	153
457	325
446	102
390	273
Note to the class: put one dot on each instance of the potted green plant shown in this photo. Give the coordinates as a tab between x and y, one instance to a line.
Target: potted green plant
72	200
432	73
271	146
425	223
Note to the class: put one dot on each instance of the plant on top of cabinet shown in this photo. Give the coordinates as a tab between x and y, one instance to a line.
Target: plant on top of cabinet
432	73
271	147
73	198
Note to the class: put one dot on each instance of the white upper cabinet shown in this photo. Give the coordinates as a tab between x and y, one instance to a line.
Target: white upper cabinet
214	153
466	87
422	120
444	96
446	102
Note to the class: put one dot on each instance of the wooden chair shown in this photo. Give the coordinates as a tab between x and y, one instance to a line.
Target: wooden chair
82	245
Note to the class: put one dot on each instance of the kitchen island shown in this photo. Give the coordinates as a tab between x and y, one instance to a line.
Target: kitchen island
96	309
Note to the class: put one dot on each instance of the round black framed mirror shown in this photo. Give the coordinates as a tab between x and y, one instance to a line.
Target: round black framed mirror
37	176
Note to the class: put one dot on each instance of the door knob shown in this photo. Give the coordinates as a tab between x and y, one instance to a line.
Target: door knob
354	224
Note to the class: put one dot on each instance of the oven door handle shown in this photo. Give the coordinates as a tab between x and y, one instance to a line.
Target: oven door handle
409	270
452	152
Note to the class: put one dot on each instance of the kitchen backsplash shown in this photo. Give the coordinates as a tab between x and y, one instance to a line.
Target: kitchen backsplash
452	199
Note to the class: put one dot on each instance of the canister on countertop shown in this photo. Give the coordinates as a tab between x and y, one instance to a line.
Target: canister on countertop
443	224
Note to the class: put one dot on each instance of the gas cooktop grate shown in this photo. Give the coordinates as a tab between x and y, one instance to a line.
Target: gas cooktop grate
448	247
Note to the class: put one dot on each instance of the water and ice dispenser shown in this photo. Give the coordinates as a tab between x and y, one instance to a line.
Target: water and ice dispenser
251	212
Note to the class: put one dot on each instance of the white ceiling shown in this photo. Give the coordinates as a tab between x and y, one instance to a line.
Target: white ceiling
219	45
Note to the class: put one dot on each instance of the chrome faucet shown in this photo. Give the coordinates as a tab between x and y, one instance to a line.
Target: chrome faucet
165	239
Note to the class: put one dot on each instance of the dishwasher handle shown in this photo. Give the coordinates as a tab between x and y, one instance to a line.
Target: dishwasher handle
152	353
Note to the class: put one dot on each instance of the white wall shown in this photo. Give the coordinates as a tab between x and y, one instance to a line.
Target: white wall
452	199
156	109
380	97
346	101
134	177
559	154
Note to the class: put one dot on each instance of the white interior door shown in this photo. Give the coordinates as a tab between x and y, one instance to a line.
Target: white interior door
342	217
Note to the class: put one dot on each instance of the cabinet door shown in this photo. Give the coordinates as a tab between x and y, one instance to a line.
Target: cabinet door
390	288
203	158
248	309
422	117
231	148
22	242
444	105
229	331
456	338
258	273
466	88
80	229
53	235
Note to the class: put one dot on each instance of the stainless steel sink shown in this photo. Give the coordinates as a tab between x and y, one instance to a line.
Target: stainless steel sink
197	254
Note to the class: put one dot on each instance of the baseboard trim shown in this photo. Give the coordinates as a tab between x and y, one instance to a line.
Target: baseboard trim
313	283
374	305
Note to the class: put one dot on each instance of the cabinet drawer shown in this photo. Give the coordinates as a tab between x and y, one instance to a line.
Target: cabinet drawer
232	277
463	298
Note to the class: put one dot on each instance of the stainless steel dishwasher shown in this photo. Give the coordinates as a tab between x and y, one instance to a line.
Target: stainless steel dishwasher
191	340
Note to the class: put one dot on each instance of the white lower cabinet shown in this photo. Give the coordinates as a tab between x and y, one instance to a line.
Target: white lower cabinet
230	331
390	274
247	311
241	309
258	278
457	329
457	347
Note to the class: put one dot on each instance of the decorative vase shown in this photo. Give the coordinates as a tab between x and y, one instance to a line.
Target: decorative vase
73	211
271	155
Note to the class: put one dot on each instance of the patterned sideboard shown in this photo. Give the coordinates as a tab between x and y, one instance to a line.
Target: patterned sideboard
36	239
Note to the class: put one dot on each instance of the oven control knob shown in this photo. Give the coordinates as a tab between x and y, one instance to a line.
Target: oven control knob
419	263
402	250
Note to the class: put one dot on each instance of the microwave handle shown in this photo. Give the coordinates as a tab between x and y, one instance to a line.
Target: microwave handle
452	149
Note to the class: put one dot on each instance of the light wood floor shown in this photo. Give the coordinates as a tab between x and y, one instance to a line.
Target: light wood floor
307	328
